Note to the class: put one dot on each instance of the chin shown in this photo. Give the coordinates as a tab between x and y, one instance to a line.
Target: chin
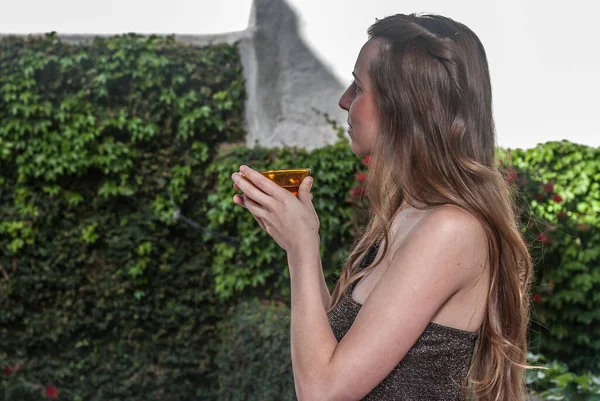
357	150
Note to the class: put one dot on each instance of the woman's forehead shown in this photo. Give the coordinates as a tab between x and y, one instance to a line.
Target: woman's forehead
367	54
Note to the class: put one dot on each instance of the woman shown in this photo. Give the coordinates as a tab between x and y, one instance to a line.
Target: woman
432	303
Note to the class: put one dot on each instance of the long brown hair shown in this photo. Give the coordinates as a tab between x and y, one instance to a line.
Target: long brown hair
436	147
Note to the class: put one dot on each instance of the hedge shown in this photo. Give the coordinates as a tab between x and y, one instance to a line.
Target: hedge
561	181
104	295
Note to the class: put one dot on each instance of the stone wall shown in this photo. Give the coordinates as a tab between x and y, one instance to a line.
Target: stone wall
287	84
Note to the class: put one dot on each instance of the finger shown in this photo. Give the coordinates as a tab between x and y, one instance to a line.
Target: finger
255	208
260	222
263	183
250	190
304	191
239	200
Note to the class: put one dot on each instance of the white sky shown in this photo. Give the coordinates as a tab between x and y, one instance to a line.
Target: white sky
544	54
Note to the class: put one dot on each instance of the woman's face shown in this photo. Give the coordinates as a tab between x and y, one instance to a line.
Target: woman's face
359	102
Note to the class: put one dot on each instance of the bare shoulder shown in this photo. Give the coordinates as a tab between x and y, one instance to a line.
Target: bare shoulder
455	237
453	220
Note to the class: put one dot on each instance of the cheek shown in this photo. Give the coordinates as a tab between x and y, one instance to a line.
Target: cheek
356	113
363	109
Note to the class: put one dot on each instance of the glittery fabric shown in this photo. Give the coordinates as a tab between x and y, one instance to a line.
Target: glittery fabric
435	368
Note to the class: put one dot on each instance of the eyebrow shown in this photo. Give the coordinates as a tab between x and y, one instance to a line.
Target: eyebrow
356	78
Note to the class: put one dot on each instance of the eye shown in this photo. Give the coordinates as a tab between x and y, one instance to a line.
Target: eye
356	87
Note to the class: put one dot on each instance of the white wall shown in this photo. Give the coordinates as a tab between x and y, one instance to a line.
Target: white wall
544	54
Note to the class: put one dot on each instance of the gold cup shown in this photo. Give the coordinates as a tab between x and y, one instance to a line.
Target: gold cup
289	179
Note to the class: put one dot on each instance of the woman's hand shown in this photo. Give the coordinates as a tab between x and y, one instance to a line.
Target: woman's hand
290	220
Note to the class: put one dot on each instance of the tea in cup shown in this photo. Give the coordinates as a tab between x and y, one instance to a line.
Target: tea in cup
289	179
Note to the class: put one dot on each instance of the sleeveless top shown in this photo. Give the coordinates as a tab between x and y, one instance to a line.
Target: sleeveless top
436	366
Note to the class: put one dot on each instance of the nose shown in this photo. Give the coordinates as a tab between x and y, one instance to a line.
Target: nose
345	100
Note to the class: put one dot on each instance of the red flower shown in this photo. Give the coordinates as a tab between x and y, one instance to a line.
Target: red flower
511	175
549	187
561	215
557	198
51	392
539	197
8	370
545	239
357	191
537	298
366	160
361	177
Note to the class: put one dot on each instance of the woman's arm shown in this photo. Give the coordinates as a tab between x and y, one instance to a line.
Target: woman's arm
325	295
309	324
442	254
